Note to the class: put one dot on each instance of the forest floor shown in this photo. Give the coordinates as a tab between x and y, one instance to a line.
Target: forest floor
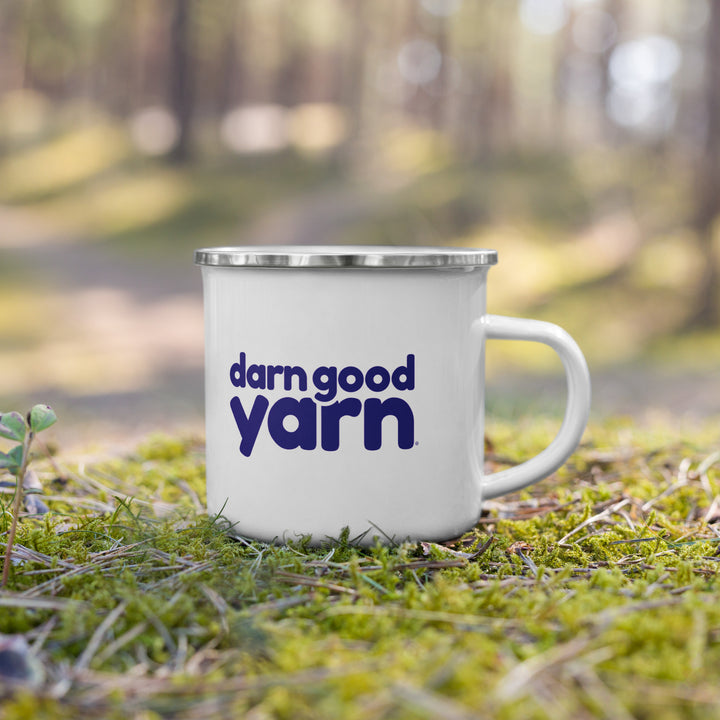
591	595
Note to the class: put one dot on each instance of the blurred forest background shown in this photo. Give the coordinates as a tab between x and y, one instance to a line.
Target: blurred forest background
579	138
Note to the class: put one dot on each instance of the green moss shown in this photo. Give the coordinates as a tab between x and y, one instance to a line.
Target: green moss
598	583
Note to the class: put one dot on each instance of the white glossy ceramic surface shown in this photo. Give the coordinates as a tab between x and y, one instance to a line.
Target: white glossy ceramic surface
283	463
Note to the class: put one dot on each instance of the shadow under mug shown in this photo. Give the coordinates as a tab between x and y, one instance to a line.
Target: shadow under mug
344	388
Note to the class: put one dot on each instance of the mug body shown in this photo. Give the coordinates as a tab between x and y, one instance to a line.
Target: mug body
344	396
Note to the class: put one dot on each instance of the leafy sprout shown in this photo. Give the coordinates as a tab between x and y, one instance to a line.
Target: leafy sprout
13	426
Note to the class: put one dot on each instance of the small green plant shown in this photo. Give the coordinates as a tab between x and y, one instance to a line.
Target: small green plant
13	426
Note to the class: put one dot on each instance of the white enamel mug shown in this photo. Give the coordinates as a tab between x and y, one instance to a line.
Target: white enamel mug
345	388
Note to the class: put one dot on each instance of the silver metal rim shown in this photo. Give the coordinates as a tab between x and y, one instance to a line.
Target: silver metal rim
350	256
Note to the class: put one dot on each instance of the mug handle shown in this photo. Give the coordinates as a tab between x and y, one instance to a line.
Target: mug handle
577	410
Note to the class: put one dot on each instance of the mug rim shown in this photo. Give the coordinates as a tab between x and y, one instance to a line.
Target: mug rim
345	256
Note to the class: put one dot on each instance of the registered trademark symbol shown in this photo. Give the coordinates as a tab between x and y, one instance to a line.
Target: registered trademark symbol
417	442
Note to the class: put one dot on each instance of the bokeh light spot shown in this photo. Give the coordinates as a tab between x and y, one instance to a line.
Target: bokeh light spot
154	130
543	17
255	129
652	59
441	8
419	61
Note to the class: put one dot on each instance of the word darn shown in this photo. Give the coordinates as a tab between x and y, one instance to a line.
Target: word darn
294	422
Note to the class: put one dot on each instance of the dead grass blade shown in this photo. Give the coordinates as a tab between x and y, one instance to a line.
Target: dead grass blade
595	518
520	679
431	704
109	650
297	579
12	600
91	648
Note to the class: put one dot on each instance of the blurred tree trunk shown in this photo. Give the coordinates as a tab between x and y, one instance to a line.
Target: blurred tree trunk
231	68
708	180
617	9
413	106
352	82
14	34
180	76
151	54
494	82
564	56
116	91
288	90
439	108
